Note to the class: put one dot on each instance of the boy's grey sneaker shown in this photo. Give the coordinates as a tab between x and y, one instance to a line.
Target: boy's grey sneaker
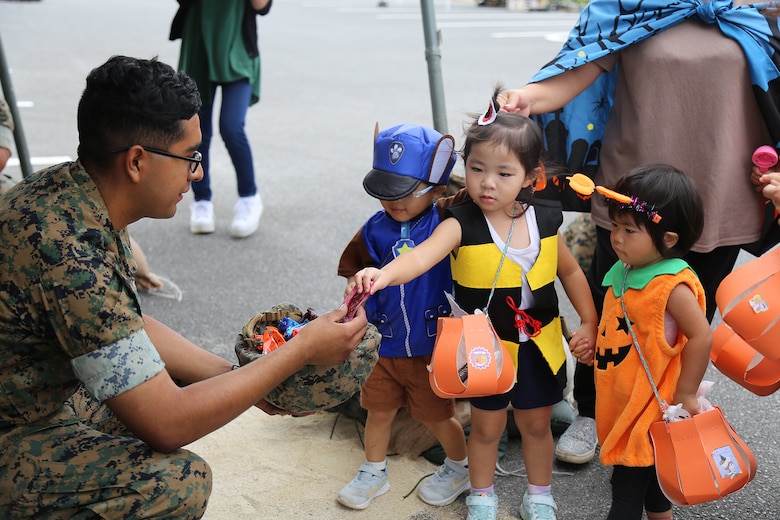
577	445
368	484
482	506
444	486
538	507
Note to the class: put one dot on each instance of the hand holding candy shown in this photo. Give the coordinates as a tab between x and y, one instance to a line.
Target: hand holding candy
353	301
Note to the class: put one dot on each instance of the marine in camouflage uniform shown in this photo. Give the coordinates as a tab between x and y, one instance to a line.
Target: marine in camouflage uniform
92	422
62	450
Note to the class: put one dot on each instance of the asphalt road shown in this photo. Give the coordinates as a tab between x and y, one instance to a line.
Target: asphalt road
331	69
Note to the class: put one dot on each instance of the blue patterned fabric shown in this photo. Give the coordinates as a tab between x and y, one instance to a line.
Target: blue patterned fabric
573	135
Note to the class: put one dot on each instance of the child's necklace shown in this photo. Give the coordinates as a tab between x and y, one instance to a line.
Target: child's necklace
503	256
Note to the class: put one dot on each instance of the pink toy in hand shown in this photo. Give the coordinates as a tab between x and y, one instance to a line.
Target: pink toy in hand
764	157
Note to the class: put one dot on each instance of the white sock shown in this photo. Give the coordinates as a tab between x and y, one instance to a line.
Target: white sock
458	464
379	465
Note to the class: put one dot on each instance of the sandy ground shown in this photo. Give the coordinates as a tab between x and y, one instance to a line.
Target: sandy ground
275	467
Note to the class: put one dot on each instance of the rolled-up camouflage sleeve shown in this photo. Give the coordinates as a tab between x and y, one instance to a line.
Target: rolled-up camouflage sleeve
6	126
121	366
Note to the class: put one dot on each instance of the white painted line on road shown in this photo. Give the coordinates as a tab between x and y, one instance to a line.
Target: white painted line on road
470	25
553	37
475	21
41	161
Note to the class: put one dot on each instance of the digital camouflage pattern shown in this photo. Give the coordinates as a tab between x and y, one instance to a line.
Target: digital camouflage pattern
66	287
66	283
315	387
85	464
580	238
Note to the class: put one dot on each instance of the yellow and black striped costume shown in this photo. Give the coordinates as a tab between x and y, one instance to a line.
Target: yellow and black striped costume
474	270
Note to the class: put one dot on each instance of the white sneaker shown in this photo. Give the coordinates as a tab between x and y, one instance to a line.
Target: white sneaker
246	216
202	217
578	443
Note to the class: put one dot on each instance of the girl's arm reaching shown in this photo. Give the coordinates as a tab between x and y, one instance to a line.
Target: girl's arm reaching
583	341
413	263
693	324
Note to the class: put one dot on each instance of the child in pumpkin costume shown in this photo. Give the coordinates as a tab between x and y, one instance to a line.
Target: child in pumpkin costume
653	297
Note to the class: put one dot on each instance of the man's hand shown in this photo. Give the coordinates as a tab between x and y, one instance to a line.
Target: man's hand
275	410
327	341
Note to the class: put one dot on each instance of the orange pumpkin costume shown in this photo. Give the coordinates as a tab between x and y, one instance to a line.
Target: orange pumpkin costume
625	403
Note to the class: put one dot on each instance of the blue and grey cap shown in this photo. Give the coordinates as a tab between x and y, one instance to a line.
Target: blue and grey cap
404	155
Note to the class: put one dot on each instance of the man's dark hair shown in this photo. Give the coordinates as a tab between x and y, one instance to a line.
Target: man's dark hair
131	101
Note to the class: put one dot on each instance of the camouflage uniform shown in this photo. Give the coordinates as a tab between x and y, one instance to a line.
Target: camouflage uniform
67	292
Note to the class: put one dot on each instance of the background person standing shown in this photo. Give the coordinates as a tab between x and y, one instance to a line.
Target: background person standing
219	49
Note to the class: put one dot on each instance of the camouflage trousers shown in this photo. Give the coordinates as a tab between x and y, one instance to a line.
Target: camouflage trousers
84	464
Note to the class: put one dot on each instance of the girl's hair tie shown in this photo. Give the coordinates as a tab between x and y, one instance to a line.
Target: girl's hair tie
490	114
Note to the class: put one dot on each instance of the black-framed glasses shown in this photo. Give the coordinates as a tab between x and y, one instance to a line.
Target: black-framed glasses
194	161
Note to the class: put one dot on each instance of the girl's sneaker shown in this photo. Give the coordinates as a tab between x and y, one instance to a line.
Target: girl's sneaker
482	506
538	507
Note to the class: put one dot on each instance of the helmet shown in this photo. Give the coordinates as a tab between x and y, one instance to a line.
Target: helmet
314	387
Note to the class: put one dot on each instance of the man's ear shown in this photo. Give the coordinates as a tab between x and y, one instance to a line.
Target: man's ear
670	239
133	162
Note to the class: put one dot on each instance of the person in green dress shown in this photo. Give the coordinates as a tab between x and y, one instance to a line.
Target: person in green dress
219	49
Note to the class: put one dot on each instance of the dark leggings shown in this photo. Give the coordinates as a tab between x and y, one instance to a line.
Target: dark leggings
635	490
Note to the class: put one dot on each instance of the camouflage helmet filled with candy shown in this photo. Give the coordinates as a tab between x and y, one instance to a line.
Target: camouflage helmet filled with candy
314	387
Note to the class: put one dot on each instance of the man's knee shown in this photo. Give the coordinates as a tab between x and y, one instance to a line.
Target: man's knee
182	490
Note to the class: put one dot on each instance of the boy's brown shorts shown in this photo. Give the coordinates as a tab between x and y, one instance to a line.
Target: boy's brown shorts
397	382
